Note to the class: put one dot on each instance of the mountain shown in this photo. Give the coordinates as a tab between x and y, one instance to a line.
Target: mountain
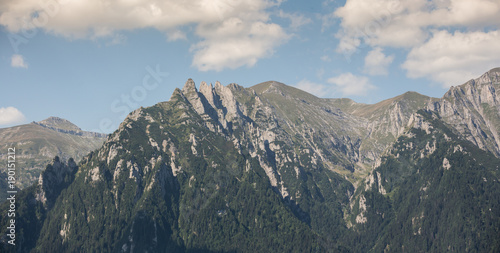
58	124
38	143
273	168
473	109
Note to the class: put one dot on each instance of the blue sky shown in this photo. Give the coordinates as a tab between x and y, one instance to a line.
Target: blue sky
86	61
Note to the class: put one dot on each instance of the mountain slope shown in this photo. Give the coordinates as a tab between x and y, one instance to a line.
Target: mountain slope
37	143
348	137
433	192
386	120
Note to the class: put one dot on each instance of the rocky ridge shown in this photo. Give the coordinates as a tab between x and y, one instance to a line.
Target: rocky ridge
473	108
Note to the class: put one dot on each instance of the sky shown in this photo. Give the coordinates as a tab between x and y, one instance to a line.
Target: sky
94	61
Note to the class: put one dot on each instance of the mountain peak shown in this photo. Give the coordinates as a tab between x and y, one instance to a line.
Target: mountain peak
262	87
274	87
235	86
412	93
494	70
412	96
493	76
59	123
205	87
189	86
476	103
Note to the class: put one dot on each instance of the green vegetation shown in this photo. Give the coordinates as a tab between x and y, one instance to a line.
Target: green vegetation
432	205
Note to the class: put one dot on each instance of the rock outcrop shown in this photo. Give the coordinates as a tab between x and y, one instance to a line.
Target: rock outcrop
54	179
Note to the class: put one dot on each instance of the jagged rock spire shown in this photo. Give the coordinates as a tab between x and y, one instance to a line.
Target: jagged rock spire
189	86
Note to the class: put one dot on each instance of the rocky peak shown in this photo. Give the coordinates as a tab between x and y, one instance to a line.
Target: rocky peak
492	76
218	85
189	86
235	87
191	94
205	88
215	102
473	108
227	100
208	93
177	92
484	89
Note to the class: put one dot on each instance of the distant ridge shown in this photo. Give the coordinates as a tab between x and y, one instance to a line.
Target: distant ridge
38	143
65	126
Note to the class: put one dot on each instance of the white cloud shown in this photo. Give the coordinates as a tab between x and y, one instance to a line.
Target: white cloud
176	35
17	61
96	19
449	41
376	62
326	58
327	21
10	115
452	59
345	84
349	84
347	45
236	43
296	20
116	39
405	23
316	89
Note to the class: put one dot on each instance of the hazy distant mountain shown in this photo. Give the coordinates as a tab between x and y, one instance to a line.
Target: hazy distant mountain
38	142
271	168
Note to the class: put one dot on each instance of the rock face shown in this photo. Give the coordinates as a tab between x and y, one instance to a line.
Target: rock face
474	110
273	168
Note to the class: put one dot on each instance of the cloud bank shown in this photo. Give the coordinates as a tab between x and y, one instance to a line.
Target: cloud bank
449	41
232	33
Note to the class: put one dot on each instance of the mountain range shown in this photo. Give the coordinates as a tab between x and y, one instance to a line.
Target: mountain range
273	168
